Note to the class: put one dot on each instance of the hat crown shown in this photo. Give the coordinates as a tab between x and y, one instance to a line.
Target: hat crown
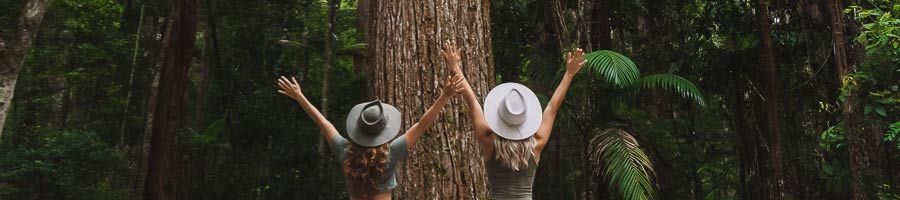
512	109
372	119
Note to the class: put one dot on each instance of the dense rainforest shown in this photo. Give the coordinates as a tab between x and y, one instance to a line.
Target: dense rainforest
696	99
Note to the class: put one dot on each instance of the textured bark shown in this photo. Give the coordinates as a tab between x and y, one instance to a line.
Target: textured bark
169	113
848	106
404	67
769	79
143	151
13	57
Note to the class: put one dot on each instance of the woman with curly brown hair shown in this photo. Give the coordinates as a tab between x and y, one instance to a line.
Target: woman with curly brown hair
369	158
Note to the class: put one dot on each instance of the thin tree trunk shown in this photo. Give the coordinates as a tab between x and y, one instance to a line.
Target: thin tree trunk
150	106
330	35
600	26
404	69
13	57
210	60
769	81
849	104
134	56
169	113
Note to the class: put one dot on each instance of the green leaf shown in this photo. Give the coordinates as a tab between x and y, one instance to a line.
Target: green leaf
625	166
673	83
615	68
880	110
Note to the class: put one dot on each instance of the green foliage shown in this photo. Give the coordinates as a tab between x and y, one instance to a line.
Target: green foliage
893	135
616	68
671	82
833	138
619	71
67	165
625	166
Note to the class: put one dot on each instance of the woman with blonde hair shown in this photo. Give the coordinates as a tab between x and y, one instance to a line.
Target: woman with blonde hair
511	130
369	158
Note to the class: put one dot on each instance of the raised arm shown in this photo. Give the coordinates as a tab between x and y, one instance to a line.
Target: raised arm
476	114
574	62
452	86
291	88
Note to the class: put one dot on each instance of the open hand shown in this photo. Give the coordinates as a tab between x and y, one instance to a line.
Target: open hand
290	88
451	54
452	86
574	61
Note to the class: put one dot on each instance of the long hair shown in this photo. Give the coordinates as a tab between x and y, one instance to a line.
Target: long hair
514	154
364	167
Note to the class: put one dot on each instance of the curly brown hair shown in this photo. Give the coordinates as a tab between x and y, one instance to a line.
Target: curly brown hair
364	168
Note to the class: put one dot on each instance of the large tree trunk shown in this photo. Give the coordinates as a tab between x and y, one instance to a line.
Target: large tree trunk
848	105
769	79
169	113
404	68
13	57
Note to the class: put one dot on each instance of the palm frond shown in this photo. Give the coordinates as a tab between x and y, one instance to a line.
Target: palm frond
614	67
671	82
623	164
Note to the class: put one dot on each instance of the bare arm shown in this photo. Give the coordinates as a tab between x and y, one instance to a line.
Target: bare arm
574	62
291	89
452	86
476	114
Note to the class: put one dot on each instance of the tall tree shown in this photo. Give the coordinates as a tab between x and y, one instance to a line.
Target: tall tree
769	79
330	37
168	116
403	68
13	57
848	107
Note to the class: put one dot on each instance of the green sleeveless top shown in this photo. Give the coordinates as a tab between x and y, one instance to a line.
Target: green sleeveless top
506	184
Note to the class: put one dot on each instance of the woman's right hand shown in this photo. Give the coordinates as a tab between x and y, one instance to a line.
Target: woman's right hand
451	54
290	88
452	86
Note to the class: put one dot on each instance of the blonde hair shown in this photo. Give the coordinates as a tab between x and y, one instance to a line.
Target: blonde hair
514	154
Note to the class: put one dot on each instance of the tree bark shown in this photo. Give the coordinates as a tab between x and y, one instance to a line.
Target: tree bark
143	151
13	57
848	105
404	68
769	76
169	113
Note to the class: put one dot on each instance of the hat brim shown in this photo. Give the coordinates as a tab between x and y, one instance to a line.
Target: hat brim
391	129
532	112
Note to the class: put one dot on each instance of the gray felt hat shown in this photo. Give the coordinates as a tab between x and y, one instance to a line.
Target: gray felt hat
512	111
373	123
